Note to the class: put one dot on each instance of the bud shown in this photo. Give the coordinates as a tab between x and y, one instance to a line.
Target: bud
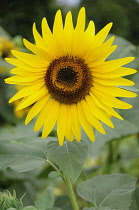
7	200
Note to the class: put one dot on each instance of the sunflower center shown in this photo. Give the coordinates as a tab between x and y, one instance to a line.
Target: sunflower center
67	76
68	79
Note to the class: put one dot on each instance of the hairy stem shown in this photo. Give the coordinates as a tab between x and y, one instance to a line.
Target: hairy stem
71	192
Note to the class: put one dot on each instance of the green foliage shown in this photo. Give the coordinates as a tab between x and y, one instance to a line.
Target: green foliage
54	208
122	128
72	155
135	201
8	200
113	191
21	156
98	208
30	208
37	167
45	200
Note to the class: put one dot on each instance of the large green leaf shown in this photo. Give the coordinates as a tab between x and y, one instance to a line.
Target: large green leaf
45	200
122	128
11	209
16	132
54	208
98	208
70	157
113	191
135	201
23	154
30	208
63	202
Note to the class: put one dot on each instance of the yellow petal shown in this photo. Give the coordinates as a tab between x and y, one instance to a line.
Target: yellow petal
98	112
58	23
113	82
122	71
24	72
58	34
36	108
78	36
80	26
110	100
111	65
75	125
44	54
45	29
106	108
25	91
51	118
68	130
20	64
90	118
61	124
30	59
115	91
38	39
24	80
99	55
68	32
84	122
101	35
90	31
27	101
43	114
49	42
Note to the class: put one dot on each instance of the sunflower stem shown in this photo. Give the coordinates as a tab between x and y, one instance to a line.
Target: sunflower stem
71	192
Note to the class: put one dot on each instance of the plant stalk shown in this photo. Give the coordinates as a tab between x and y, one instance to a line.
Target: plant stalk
71	192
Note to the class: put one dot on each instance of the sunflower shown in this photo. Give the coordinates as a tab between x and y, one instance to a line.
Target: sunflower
5	47
68	80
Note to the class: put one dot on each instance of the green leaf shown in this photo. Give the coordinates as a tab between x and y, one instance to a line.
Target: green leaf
122	128
11	209
45	200
98	208
70	157
54	208
135	201
22	155
16	132
30	208
63	202
54	175
113	191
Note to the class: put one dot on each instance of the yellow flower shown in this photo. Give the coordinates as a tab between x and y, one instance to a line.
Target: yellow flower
19	113
5	47
68	80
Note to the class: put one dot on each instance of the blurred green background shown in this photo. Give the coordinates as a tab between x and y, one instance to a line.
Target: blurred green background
17	16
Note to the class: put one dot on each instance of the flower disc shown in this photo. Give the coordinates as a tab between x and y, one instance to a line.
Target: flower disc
68	79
